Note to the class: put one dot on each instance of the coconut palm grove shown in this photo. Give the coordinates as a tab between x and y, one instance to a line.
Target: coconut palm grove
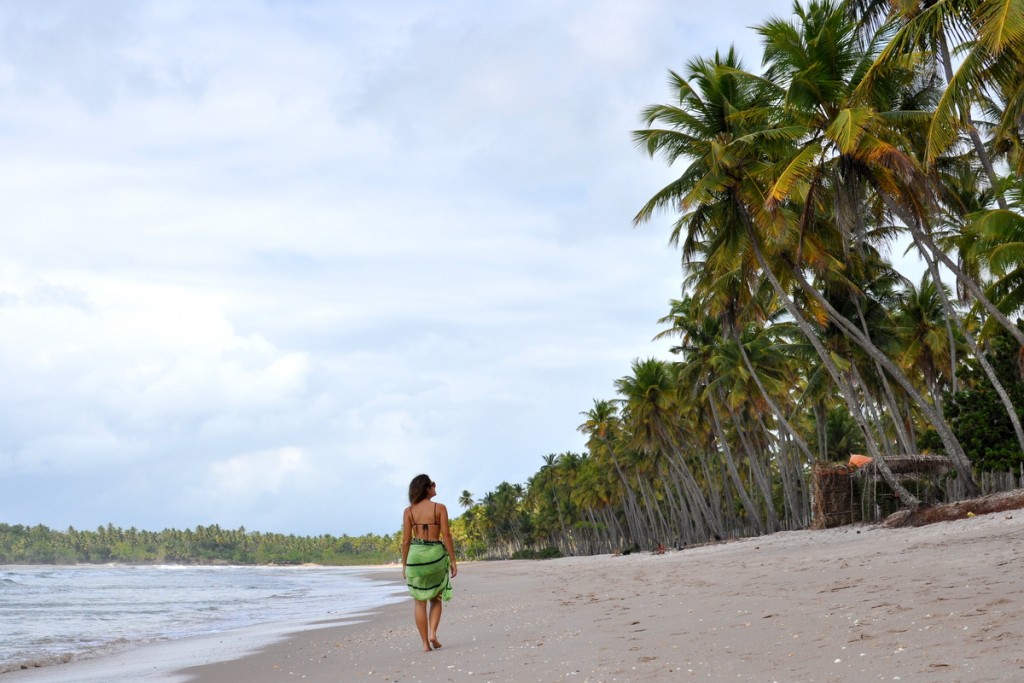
864	135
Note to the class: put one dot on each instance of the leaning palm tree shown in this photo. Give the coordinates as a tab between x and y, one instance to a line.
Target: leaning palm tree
700	337
990	61
858	148
991	44
928	30
921	329
649	396
730	128
603	429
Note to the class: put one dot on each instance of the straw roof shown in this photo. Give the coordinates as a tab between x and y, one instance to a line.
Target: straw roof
910	467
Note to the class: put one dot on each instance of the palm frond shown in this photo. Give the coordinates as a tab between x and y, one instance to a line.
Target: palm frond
1000	24
947	119
799	168
848	126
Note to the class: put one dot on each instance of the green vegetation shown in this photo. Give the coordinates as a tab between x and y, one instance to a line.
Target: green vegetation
871	123
976	412
203	545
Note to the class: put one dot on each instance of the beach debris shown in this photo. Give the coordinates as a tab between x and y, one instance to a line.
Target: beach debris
858	460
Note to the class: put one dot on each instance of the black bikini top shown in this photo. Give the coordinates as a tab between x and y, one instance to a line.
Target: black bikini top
415	523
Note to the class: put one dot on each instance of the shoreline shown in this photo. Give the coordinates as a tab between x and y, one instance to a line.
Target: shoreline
165	661
938	603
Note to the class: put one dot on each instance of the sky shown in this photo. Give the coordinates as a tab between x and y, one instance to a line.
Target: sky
263	262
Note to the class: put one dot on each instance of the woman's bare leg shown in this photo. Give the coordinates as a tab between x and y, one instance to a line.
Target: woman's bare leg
420	613
435	621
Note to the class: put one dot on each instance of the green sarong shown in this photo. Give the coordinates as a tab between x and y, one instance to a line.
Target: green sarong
426	570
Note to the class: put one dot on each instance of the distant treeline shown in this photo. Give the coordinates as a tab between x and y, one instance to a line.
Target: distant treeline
203	545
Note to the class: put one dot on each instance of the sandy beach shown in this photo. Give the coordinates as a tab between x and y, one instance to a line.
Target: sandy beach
937	603
942	602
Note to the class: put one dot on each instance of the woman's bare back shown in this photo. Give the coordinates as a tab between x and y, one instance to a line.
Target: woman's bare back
425	521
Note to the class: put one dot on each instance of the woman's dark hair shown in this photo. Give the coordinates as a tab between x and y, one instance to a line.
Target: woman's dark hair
419	488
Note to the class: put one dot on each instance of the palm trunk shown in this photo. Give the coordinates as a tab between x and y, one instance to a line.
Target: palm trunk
907	498
802	501
768	399
658	531
871	410
784	458
923	242
630	496
953	448
760	476
890	398
741	490
688	530
652	525
693	490
677	505
820	416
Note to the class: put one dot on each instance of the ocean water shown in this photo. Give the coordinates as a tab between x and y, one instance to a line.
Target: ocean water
55	614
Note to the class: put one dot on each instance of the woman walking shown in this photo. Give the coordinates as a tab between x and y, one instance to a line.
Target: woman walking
427	556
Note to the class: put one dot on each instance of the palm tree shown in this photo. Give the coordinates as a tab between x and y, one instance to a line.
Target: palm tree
922	331
604	432
855	138
924	28
992	38
594	494
993	51
701	340
796	338
650	412
728	126
466	499
1001	248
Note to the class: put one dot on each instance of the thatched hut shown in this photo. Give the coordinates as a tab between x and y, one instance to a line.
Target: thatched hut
921	474
831	495
843	494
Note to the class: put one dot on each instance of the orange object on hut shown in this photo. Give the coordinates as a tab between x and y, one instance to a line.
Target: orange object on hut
858	460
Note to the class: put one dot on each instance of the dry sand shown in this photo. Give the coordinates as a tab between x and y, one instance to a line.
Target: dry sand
943	602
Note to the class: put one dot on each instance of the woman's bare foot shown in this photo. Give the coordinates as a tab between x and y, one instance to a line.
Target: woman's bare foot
426	647
436	643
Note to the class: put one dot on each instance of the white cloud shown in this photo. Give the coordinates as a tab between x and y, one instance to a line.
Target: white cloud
252	474
264	262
